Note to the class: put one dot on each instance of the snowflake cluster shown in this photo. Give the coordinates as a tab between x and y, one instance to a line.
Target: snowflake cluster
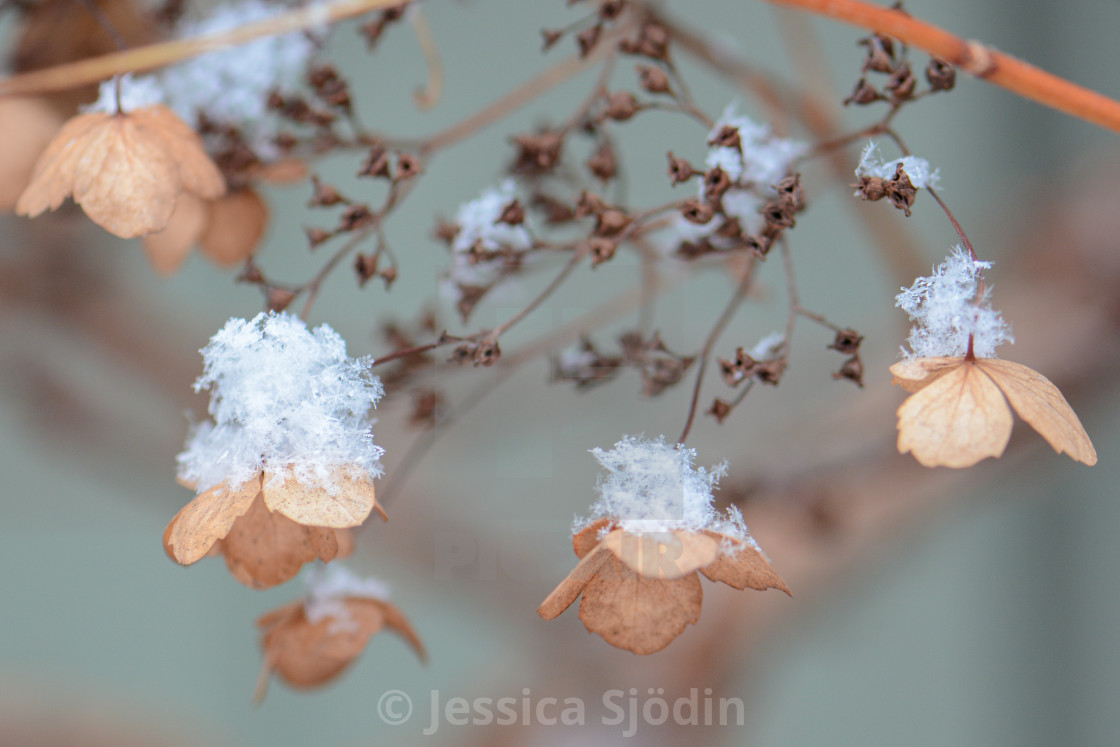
328	587
764	161
918	169
282	397
229	87
946	311
480	229
650	486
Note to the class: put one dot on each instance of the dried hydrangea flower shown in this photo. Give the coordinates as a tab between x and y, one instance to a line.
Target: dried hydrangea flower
126	170
290	441
958	413
653	530
228	230
310	642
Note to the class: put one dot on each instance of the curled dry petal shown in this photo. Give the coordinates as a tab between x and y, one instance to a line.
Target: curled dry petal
573	585
307	654
639	614
125	170
916	373
28	125
347	505
662	555
588	538
168	249
742	565
208	518
236	226
1042	405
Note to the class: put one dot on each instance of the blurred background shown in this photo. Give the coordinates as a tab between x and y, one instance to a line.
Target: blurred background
929	606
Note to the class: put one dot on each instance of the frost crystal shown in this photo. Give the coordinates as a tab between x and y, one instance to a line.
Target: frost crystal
918	169
651	486
328	587
481	230
768	347
137	92
946	311
231	86
282	396
766	158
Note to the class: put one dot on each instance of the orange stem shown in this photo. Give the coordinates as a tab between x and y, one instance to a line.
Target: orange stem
972	57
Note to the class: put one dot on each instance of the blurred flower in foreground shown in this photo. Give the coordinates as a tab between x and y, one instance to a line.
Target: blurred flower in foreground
127	169
288	462
652	530
310	642
959	412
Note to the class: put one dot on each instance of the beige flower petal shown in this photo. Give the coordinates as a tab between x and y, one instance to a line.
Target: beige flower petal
742	565
664	555
587	539
197	173
397	622
207	519
955	421
264	549
1042	405
636	613
236	226
573	585
28	125
167	249
917	373
312	505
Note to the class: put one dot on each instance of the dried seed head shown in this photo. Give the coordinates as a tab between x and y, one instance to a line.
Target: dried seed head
621	106
408	166
680	170
376	163
588	38
602	249
589	204
871	188
727	137
324	195
941	75
653	79
513	214
611	222
902	82
716	184
651	41
603	163
550	37
880	53
538	153
355	217
719	410
791	192
365	265
864	93
847	342
611	9
697	212
900	191
852	370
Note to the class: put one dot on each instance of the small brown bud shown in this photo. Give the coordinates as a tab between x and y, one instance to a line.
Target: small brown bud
376	163
778	214
941	75
324	195
389	274
621	106
901	191
251	274
731	229
716	183
697	212
408	166
863	94
727	137
852	370
603	163
653	79
760	244
279	298
790	192
719	410
446	231
538	153
770	372
880	53
902	82
680	170
555	211
602	249
847	341
652	41
588	38
550	38
871	188
589	204
316	236
486	354
611	222
513	214
366	267
355	217
611	9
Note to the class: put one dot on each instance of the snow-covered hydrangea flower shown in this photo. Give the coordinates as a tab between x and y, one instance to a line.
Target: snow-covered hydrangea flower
871	164
330	585
229	86
481	229
651	486
946	311
286	400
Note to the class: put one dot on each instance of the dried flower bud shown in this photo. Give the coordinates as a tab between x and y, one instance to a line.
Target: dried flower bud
719	410
697	212
330	87
355	217
446	231
603	163
863	94
366	267
279	298
389	274
652	41
486	353
847	341
550	38
902	82
727	137
716	184
589	204
324	195
408	166
611	222
941	75
316	236
376	163
538	153
555	211
778	214
513	214
602	249
621	106
852	370
880	53
653	79
680	170
770	372
900	191
871	188
588	38
611	9
760	244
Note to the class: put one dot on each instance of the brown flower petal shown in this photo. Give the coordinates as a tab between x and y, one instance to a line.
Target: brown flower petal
955	421
167	249
742	566
208	518
1041	404
639	614
587	539
237	224
125	170
664	555
316	506
917	373
573	584
306	654
28	126
264	549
